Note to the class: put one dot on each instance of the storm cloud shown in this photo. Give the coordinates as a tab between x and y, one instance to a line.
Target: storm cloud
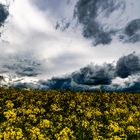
87	11
124	76
132	31
3	14
95	17
128	65
94	75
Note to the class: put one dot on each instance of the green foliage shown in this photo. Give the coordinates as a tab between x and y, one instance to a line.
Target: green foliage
55	115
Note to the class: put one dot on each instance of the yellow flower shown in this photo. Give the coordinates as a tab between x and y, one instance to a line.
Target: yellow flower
88	114
55	108
32	117
36	110
98	113
19	134
63	137
6	136
41	137
72	104
114	127
42	110
65	134
134	108
28	111
10	115
9	104
34	133
106	112
130	119
117	138
131	128
85	123
39	102
1	136
12	133
45	123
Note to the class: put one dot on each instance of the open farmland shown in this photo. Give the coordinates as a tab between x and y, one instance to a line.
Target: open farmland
55	115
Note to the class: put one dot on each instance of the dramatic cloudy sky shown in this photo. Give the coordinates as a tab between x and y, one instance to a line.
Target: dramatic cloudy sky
49	38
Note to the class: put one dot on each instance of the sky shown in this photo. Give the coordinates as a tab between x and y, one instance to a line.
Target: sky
42	39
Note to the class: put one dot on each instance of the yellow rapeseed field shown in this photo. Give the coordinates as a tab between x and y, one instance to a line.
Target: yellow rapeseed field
55	115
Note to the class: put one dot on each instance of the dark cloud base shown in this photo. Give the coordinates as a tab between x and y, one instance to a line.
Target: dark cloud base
94	77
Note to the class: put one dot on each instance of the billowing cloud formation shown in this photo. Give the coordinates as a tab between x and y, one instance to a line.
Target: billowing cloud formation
87	11
124	76
94	75
128	65
103	20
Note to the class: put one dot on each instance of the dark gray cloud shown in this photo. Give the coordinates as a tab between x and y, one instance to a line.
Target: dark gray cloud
132	27
94	75
132	31
128	65
88	10
135	87
102	77
3	14
21	67
99	24
101	20
122	77
58	83
87	76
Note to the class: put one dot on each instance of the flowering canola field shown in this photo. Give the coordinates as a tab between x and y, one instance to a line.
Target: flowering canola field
55	115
